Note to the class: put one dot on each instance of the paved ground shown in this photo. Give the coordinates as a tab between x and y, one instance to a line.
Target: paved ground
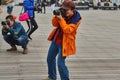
98	49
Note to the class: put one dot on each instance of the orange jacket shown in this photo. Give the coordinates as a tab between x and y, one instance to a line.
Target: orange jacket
69	35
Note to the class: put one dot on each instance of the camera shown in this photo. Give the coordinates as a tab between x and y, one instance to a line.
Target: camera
60	11
5	23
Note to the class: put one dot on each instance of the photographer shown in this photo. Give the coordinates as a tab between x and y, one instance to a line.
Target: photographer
66	22
14	34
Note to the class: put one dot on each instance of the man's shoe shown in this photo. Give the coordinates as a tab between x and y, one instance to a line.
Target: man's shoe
47	78
25	51
12	49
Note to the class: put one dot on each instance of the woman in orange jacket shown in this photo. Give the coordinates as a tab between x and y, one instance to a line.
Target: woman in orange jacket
66	22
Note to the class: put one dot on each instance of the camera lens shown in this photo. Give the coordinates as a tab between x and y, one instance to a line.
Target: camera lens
5	23
63	12
60	11
56	12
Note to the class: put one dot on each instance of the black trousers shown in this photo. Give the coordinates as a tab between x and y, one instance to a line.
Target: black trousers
32	26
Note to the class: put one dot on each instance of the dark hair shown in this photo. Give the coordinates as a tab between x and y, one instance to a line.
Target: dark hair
10	17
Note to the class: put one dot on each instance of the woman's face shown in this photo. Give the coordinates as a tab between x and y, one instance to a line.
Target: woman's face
69	13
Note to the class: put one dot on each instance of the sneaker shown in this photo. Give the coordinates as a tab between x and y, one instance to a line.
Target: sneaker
47	78
25	51
12	49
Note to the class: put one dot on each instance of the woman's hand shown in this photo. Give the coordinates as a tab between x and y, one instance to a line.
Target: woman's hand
59	16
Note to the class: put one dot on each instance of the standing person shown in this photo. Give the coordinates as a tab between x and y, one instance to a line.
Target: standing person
52	4
43	4
14	34
29	7
62	39
10	5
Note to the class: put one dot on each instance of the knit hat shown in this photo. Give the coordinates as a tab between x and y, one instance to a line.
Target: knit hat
68	4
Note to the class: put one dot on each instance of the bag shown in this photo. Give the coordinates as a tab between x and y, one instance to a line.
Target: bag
23	16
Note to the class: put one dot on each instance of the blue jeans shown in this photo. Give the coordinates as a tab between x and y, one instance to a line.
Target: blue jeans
55	50
9	9
22	40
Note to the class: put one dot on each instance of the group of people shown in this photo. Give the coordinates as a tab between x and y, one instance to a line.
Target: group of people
14	32
62	37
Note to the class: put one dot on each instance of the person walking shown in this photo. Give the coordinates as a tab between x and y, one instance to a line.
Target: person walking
62	40
14	34
29	7
43	5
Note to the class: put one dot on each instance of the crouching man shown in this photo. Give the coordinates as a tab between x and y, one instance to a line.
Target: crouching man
14	34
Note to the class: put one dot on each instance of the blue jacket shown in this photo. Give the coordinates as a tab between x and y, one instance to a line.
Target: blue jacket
15	31
29	7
